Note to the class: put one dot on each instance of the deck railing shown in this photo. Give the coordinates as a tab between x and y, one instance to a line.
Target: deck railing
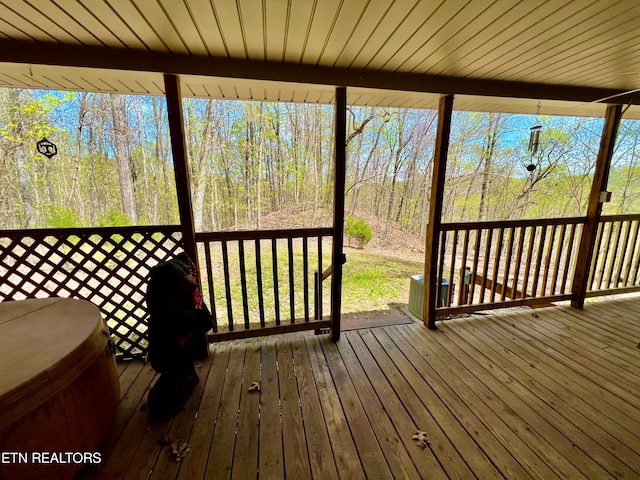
506	263
616	256
525	262
107	266
264	282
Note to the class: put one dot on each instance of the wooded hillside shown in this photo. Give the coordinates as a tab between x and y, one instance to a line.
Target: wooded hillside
249	159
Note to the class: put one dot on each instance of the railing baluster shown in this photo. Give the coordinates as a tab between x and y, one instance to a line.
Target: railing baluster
243	283
614	253
443	247
547	263
259	281
485	267
507	264
636	262
212	298
320	270
634	242
595	258
292	299
276	294
567	260
539	255
452	267
496	266
227	284
516	271
305	269
474	271
605	258
527	268
464	288
556	263
625	247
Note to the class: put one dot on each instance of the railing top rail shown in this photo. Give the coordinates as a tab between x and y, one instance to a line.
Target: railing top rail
511	223
263	234
87	231
617	218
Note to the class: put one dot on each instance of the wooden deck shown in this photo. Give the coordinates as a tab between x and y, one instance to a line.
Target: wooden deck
547	393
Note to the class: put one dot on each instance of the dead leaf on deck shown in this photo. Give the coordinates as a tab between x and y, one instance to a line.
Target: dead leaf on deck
178	453
422	438
255	387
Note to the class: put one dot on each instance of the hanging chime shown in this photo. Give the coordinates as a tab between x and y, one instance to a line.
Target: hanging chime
534	141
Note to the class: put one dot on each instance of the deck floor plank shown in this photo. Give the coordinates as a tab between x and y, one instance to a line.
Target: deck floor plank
600	366
553	393
271	456
603	353
194	464
405	426
498	453
134	382
245	457
129	376
220	462
342	446
620	319
569	421
296	458
590	328
560	396
556	364
460	456
180	430
323	466
531	450
119	459
369	451
388	437
527	407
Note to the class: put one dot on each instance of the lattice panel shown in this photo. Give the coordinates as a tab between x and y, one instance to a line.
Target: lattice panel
107	266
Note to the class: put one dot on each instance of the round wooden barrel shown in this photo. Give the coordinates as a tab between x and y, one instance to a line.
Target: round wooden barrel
59	387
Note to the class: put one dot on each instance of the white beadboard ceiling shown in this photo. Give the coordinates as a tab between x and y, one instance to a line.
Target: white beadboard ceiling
569	56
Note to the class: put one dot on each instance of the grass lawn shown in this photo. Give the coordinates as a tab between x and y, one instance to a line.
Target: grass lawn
372	281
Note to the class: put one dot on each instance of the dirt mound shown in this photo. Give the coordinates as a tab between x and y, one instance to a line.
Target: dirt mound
388	238
298	216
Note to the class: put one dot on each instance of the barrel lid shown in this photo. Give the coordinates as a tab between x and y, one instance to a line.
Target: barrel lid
39	337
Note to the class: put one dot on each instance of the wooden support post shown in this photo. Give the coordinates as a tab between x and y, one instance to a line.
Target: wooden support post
435	211
600	179
181	171
338	209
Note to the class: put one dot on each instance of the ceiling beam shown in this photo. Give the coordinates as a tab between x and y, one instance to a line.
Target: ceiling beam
134	60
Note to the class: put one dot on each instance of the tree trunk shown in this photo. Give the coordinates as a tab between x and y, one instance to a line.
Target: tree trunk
487	158
120	132
82	111
24	178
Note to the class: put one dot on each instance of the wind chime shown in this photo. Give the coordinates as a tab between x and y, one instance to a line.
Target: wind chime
534	141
